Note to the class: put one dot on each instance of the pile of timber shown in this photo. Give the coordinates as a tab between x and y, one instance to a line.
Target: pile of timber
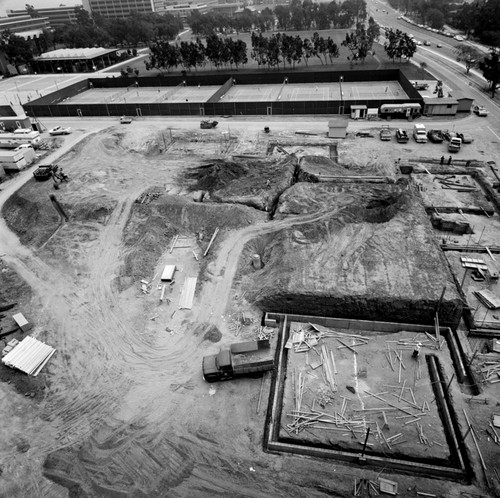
306	338
490	371
450	184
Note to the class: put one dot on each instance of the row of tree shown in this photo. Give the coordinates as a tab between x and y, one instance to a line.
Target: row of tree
480	19
282	48
434	13
218	52
278	48
298	15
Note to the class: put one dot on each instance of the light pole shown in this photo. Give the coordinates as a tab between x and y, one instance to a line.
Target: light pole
341	79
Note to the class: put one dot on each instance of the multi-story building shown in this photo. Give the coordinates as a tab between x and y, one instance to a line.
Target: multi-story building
117	8
183	10
58	16
24	25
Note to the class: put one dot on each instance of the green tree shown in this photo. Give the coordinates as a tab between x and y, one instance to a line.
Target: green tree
163	56
490	66
399	45
434	18
31	11
468	55
17	50
282	13
359	42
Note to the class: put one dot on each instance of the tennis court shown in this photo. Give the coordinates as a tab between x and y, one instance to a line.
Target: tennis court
145	95
252	93
294	92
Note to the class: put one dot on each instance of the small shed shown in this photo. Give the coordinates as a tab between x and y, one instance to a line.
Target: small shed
464	103
358	111
168	273
337	128
445	106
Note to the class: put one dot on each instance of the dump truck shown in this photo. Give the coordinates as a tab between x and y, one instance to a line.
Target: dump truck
207	124
241	359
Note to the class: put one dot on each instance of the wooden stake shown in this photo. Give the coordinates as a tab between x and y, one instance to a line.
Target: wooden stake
436	326
216	231
483	465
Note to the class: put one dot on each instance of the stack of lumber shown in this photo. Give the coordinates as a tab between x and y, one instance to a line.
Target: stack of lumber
29	356
488	299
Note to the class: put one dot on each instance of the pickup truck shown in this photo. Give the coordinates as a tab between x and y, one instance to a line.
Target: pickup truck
455	144
241	359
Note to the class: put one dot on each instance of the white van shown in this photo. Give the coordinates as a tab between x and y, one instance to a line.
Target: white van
420	133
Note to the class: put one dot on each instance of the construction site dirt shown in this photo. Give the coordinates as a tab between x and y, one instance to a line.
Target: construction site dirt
122	408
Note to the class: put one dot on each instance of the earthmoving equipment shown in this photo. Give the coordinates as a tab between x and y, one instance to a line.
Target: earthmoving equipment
241	359
206	124
44	172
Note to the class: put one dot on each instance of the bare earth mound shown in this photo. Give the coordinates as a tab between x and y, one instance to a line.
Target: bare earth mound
375	259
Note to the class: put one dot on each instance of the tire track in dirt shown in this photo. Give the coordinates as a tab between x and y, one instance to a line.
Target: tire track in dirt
216	291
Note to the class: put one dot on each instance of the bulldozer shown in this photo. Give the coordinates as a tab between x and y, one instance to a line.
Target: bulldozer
206	124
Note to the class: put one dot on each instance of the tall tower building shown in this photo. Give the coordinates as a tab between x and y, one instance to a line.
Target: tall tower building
117	8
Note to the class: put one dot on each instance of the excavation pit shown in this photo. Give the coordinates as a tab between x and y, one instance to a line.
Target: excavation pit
410	419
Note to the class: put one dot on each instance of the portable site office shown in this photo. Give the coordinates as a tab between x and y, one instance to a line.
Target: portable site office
168	273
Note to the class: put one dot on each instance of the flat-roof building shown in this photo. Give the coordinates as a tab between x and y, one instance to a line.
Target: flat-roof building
73	60
117	8
57	16
25	26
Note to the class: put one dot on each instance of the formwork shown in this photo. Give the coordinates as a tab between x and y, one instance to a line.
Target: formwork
443	455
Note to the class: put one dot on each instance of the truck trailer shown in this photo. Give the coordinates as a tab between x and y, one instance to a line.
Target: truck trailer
242	359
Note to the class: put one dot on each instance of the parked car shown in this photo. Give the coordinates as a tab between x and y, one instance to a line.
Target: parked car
435	136
465	137
448	135
385	134
401	136
125	120
59	130
480	110
459	38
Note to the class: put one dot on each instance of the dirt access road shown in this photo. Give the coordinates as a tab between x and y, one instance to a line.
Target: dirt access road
125	411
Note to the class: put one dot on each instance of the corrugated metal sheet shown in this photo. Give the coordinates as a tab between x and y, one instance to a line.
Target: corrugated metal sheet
29	356
187	294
